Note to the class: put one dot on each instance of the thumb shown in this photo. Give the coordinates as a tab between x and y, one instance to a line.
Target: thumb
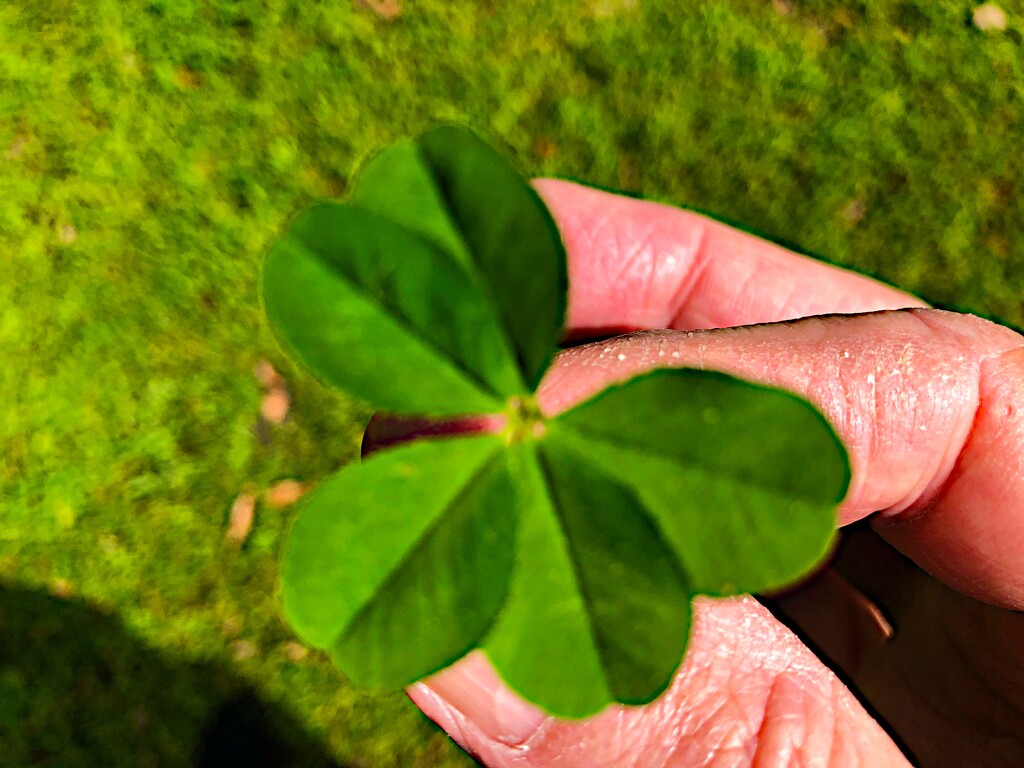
748	693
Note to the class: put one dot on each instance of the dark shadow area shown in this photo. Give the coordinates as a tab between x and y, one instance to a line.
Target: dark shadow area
77	689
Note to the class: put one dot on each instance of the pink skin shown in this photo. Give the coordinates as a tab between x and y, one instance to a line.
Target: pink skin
926	404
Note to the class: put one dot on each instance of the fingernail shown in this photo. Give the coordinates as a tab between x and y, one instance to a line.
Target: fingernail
473	688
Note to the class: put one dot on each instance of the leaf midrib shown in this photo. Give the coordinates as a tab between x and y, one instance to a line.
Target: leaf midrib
485	465
736	479
567	547
473	269
616	469
471	378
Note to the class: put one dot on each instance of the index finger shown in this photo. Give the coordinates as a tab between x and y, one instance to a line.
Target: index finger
639	265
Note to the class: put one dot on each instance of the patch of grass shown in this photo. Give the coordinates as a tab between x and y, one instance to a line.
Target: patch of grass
149	150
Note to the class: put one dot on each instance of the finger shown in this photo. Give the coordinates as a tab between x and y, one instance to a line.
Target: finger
972	534
925	402
636	264
748	693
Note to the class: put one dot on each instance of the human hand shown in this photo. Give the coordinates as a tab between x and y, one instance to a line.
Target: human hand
925	403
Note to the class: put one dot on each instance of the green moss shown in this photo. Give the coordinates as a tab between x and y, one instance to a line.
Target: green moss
148	151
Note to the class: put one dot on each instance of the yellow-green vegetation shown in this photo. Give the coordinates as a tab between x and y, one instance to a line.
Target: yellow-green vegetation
149	151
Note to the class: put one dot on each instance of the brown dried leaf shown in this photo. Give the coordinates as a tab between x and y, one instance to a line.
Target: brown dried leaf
274	407
244	649
990	18
284	493
386	9
232	626
294	651
266	375
242	513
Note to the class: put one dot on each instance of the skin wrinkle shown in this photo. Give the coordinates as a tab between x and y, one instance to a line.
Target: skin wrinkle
761	757
587	239
972	534
638	260
627	734
644	731
850	418
598	228
692	722
915	507
743	710
736	745
645	255
806	733
692	278
875	411
741	729
1003	339
885	417
681	264
449	718
787	713
693	731
655	262
789	298
673	741
716	732
750	277
823	741
835	739
767	273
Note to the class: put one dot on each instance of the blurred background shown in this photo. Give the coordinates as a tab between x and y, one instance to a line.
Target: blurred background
153	437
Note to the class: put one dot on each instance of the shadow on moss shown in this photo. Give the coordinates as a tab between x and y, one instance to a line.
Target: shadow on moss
76	689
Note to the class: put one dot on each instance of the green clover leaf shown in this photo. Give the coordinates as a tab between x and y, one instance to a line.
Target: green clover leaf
568	548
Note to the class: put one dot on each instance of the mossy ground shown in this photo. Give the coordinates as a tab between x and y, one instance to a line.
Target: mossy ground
149	150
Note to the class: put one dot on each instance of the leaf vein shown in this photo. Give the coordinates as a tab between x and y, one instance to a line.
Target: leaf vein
738	479
473	270
392	575
298	246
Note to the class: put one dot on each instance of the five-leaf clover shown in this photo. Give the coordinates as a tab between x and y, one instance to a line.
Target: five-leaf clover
568	548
